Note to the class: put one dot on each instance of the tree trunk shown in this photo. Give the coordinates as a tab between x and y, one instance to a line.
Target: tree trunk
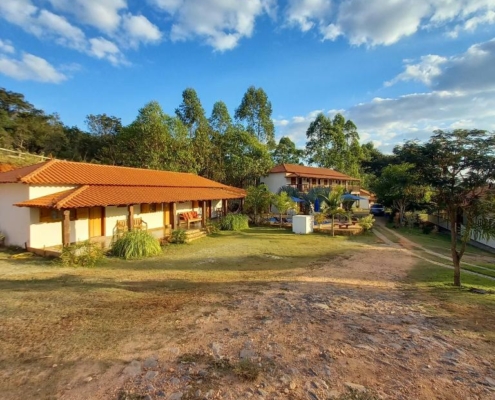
333	225
456	260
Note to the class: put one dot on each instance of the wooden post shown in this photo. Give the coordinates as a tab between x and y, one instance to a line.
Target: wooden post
173	217
130	217
66	229
224	207
209	209
203	214
242	205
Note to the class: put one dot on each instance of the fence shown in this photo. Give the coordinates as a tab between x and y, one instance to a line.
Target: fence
19	154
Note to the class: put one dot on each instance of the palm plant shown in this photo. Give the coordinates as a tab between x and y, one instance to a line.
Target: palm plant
332	201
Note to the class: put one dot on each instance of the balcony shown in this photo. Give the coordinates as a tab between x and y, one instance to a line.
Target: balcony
305	187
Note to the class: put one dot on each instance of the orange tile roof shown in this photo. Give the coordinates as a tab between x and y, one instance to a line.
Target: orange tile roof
310	172
59	172
95	196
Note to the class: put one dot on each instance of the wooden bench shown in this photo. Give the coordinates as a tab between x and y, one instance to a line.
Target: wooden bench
190	218
344	226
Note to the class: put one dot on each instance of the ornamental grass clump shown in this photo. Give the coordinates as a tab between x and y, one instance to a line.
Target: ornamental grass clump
136	244
82	254
234	222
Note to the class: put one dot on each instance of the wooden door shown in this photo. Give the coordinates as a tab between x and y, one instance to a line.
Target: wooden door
166	214
96	222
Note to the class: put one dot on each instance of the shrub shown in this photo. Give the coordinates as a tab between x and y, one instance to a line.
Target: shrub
178	236
366	222
234	222
136	244
83	254
212	227
427	227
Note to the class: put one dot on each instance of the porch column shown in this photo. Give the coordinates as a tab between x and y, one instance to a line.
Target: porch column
224	207
66	229
242	204
130	217
203	214
173	218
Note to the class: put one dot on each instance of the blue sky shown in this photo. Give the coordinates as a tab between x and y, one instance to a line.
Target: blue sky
398	68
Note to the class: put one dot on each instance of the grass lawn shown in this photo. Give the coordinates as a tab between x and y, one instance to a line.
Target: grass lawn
53	315
474	313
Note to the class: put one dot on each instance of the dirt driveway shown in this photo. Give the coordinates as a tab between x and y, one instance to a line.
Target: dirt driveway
348	322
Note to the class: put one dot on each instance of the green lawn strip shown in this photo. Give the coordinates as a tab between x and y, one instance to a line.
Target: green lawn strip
439	281
479	270
385	232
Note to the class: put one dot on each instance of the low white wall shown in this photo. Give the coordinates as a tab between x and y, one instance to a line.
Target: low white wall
14	221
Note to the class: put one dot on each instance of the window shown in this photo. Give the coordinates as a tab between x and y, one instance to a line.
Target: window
55	215
150	208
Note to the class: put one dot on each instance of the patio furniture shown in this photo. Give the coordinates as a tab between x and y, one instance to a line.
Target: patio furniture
191	217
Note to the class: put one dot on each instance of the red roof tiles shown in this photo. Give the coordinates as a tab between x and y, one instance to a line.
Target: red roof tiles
311	172
103	185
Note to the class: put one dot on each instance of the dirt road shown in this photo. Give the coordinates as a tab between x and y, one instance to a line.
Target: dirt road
346	322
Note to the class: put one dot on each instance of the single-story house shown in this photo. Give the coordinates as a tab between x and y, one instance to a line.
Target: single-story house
61	202
303	178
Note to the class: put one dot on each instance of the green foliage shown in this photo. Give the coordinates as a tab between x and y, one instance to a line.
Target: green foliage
427	228
366	223
334	144
286	152
234	222
320	218
83	254
256	111
212	226
179	236
136	244
400	186
458	166
257	201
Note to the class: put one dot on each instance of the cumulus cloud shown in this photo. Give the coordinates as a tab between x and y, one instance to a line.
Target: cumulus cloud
30	67
105	49
220	23
140	29
385	22
306	13
102	14
470	71
462	95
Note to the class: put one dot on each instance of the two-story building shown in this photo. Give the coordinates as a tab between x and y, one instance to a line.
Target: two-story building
303	178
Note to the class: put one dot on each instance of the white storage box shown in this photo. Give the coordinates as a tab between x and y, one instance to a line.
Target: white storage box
302	224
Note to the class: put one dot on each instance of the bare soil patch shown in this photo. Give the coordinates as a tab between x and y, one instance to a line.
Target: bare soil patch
310	332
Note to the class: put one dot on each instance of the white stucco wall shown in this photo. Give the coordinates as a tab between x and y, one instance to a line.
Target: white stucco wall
275	181
154	220
14	221
114	214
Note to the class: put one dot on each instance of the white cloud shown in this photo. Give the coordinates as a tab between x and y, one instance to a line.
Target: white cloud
385	22
306	13
425	71
102	14
471	71
30	67
105	49
6	47
140	29
221	23
462	96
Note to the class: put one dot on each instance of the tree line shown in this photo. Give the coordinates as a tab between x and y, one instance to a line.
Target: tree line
236	150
